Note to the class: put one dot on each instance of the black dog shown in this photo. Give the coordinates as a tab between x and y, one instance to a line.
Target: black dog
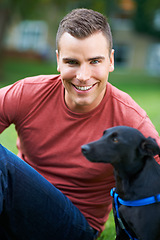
137	177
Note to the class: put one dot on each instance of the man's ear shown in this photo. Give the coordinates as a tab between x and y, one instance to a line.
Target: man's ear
111	67
149	147
57	56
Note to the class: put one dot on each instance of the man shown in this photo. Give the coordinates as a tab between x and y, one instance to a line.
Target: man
54	115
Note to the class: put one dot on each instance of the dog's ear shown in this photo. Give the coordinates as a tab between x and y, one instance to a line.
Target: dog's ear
149	147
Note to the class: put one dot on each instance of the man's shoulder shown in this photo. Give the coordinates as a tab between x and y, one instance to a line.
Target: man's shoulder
29	82
120	95
30	88
41	79
125	101
38	87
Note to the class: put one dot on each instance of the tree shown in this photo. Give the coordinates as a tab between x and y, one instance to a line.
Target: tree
145	15
8	9
25	9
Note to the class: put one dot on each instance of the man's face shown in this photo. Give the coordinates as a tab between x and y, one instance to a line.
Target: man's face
84	65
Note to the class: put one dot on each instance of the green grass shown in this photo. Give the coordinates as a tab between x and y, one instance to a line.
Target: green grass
144	89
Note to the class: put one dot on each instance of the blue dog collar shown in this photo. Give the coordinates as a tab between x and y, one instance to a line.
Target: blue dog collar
135	203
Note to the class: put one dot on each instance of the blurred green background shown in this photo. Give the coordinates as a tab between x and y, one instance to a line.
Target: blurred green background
27	48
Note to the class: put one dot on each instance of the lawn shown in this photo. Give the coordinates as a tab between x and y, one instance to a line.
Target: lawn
144	89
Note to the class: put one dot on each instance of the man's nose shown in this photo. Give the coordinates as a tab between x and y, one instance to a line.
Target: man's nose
83	73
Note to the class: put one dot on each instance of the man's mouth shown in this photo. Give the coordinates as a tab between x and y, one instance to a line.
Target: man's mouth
83	88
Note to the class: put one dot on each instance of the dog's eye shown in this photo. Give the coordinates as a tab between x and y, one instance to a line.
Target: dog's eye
115	140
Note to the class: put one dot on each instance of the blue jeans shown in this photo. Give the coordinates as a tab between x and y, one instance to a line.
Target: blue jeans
31	208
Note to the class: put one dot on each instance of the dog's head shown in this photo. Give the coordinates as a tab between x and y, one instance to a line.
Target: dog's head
124	147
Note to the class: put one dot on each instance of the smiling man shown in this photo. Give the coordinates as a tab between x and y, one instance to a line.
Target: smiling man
59	194
84	69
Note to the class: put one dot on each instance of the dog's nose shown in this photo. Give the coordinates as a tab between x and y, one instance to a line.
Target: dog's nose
85	148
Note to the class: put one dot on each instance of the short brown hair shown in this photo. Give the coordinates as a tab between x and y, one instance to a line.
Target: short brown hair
82	23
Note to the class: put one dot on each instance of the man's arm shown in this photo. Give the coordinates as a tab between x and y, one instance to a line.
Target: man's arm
9	102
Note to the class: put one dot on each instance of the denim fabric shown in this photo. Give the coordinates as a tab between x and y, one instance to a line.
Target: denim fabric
31	208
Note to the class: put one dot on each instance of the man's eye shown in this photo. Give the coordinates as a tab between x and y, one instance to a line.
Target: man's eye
72	62
95	61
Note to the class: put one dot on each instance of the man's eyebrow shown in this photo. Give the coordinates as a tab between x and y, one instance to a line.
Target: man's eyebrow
65	59
96	58
89	59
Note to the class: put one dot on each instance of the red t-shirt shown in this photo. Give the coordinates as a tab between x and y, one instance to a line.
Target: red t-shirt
50	138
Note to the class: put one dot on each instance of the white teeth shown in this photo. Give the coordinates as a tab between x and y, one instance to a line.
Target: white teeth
84	88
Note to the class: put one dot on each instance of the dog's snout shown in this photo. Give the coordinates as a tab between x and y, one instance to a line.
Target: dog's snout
85	148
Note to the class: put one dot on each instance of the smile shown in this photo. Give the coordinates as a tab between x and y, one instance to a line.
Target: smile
83	88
